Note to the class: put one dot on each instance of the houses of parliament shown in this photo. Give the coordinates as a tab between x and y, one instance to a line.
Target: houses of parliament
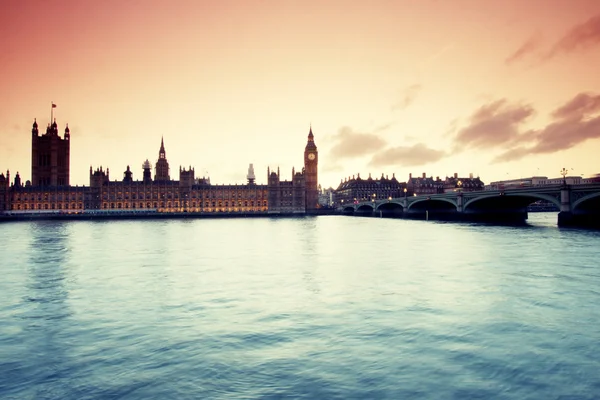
50	192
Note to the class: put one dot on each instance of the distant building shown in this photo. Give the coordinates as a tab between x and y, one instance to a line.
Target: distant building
539	181
424	185
354	190
326	197
517	183
470	184
427	185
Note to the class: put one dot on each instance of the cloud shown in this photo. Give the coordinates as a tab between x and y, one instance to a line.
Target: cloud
493	124
382	128
452	128
578	107
352	144
406	156
575	122
408	96
555	137
580	37
531	45
331	168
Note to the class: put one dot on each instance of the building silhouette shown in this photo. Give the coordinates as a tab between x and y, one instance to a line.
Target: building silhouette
49	190
355	189
50	156
311	163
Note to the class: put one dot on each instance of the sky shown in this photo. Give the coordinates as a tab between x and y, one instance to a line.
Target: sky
502	89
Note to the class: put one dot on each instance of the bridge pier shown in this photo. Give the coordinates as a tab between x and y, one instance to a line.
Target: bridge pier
574	220
565	218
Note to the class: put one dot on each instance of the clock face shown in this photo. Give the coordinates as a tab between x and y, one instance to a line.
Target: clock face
311	156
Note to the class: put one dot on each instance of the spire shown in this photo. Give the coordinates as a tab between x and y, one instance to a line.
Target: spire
310	144
162	145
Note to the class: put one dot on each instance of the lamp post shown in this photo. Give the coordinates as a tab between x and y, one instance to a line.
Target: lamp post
564	173
405	190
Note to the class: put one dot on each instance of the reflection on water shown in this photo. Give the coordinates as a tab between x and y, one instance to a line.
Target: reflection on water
327	307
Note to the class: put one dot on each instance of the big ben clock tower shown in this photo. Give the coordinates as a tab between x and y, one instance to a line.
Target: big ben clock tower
311	161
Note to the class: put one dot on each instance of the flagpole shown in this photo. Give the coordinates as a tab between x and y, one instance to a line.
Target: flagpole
51	112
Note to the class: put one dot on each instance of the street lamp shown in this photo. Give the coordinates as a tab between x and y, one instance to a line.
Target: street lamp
405	190
564	173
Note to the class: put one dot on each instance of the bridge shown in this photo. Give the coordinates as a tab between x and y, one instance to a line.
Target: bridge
579	205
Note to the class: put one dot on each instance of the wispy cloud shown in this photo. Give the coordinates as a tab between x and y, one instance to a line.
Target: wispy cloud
382	128
580	37
407	97
329	167
578	107
351	144
532	44
406	156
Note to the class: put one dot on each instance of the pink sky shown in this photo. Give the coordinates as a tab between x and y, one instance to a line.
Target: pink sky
502	89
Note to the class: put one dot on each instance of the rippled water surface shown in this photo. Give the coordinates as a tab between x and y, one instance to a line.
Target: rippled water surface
315	308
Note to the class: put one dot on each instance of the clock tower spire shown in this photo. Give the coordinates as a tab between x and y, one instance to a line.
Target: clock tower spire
311	162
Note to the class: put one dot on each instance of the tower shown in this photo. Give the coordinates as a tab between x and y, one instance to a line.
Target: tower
251	177
50	156
162	165
127	175
147	172
311	162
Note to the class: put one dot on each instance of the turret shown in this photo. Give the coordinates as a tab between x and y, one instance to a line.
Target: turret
127	175
251	177
17	181
147	167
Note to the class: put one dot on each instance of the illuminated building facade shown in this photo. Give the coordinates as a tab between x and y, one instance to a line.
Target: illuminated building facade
47	193
354	190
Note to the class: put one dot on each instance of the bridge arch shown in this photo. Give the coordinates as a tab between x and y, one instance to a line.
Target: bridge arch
590	201
434	203
389	209
515	199
389	206
364	208
349	210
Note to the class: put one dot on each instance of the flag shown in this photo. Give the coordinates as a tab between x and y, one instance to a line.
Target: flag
53	105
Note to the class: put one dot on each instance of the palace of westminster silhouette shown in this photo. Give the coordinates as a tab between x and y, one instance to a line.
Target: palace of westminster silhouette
49	190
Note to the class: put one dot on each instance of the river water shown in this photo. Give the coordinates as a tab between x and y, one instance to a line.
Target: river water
316	308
